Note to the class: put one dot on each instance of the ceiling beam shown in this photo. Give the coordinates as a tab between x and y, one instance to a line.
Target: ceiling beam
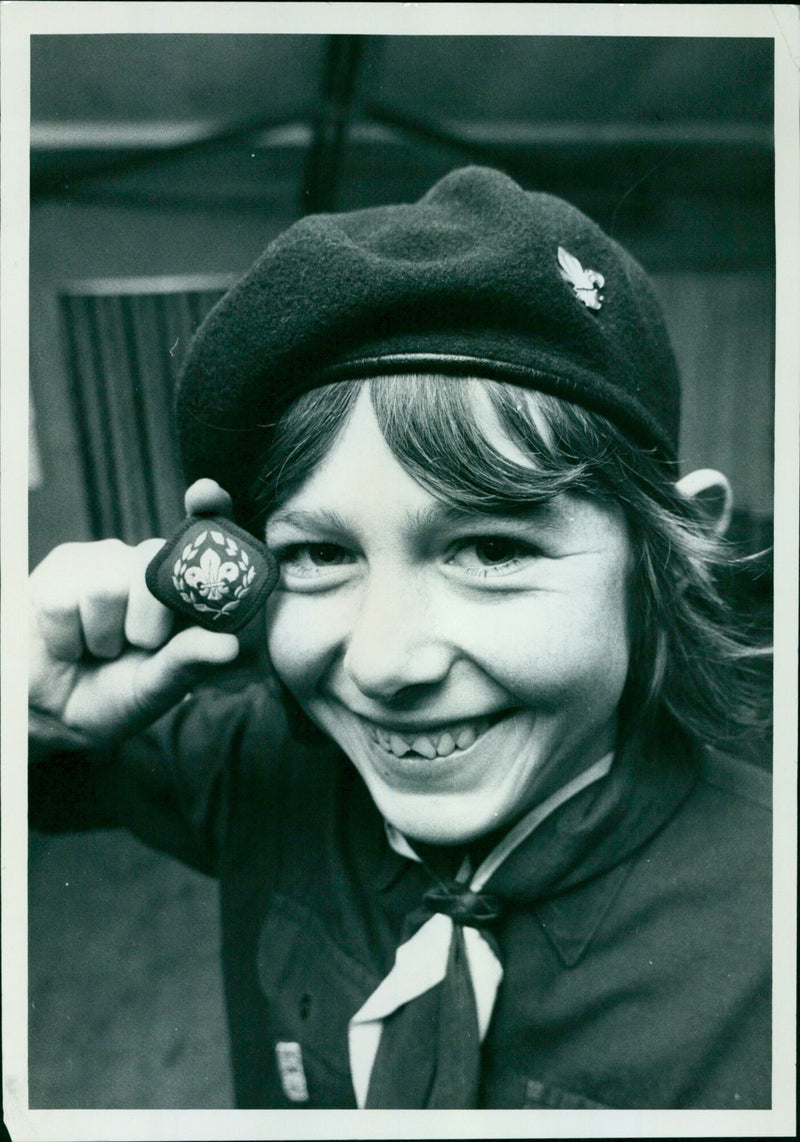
330	123
178	135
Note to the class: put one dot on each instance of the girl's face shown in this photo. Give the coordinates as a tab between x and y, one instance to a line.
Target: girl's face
467	664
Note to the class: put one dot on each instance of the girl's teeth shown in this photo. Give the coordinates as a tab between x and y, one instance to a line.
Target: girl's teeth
465	737
431	745
424	746
446	745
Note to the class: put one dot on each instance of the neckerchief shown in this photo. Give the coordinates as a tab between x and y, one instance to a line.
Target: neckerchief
415	1042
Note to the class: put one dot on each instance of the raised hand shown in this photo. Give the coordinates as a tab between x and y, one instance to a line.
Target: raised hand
103	656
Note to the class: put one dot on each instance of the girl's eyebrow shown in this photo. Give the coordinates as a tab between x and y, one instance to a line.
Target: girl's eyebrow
319	518
432	516
435	515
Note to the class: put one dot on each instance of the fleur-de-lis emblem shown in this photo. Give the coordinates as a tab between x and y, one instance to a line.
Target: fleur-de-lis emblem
213	572
206	583
211	578
585	283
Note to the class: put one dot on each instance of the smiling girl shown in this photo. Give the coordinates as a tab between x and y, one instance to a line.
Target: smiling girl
475	847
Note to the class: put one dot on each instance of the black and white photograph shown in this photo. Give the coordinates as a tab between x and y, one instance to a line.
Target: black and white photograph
400	483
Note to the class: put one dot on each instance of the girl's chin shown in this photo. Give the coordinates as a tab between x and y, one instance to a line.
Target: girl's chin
447	815
442	821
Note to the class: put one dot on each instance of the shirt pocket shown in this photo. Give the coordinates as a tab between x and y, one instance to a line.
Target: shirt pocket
312	988
544	1096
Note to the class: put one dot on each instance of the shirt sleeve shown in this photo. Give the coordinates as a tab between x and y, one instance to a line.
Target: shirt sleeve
167	785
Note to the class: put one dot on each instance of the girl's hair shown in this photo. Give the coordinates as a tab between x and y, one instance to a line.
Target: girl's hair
691	657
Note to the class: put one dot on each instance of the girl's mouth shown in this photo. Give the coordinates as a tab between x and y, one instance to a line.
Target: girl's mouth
441	742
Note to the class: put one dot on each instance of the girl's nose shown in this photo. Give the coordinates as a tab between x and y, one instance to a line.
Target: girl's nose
393	645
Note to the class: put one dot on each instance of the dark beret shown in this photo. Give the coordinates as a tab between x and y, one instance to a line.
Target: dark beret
478	278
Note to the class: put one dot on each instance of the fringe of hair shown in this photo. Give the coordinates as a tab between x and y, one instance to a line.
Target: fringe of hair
692	657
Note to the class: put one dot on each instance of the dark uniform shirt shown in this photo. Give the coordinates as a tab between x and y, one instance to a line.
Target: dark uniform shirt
636	948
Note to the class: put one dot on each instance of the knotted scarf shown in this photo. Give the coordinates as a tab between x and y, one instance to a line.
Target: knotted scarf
416	1041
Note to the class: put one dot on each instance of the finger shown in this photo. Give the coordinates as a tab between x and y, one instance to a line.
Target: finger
53	597
164	678
122	696
148	622
103	596
59	625
206	497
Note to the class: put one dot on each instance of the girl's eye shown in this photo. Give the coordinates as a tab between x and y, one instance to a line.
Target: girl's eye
491	554
494	550
326	554
308	559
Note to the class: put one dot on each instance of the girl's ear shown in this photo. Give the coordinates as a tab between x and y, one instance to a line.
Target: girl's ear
712	493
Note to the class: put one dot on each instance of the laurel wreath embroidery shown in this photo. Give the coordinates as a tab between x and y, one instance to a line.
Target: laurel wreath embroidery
207	580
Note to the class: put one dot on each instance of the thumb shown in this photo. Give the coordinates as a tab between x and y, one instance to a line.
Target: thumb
206	497
164	678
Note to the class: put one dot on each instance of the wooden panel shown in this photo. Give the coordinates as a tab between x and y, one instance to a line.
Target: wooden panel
723	328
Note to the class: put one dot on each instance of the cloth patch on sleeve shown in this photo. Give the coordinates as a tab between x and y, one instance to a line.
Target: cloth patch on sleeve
290	1068
214	572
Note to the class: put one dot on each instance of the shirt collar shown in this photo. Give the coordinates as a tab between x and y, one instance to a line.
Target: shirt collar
570	920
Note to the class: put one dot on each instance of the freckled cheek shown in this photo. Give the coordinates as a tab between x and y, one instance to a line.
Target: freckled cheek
302	640
602	640
558	647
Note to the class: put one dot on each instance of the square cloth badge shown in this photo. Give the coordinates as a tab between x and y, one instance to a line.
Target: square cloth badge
214	572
